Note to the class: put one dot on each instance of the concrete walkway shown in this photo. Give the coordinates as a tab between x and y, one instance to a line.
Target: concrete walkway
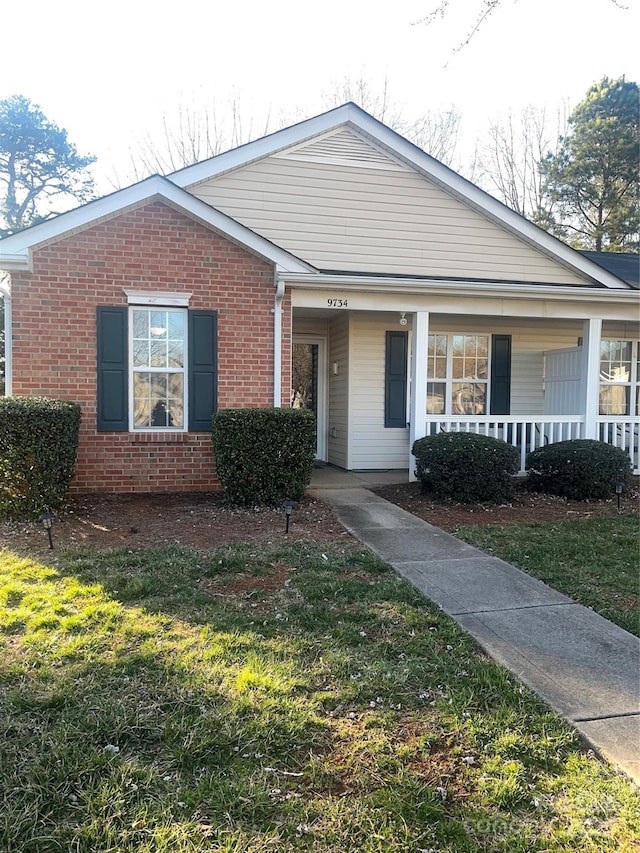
584	667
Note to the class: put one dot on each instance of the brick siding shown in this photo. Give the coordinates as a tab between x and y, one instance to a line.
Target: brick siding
155	248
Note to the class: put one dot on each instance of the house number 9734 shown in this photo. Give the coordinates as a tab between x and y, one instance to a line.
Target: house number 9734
337	303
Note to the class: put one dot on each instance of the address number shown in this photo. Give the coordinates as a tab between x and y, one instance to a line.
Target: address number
338	303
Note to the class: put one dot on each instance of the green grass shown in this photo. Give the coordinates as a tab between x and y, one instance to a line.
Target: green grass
298	699
594	561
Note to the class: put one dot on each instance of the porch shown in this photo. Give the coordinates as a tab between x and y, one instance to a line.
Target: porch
380	379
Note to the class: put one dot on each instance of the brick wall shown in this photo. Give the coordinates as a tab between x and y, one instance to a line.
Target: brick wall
154	248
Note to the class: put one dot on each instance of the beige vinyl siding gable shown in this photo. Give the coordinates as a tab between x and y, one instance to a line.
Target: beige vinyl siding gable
341	203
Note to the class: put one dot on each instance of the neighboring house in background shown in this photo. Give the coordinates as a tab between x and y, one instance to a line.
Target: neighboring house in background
407	300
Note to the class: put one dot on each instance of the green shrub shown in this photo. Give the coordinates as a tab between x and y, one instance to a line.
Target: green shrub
581	469
466	467
37	453
264	455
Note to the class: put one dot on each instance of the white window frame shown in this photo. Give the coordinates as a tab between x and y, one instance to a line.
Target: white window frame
449	380
158	301
632	383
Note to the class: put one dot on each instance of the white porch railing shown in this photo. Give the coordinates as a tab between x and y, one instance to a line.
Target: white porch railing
525	433
623	433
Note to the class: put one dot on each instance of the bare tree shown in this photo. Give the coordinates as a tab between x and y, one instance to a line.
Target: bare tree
437	133
485	10
190	135
510	158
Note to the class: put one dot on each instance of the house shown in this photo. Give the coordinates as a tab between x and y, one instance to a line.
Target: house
332	265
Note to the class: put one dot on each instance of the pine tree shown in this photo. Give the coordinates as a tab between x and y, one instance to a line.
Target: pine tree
592	184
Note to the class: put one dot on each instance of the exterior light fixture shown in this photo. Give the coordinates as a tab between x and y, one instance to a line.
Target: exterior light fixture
403	319
288	505
47	522
619	490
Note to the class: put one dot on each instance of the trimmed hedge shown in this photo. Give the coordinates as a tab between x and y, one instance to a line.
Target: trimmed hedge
580	469
38	446
264	455
466	467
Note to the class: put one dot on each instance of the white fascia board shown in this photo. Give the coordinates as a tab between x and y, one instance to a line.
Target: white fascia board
477	289
398	146
15	248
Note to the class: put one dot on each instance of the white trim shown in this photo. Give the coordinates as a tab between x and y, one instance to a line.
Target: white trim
351	115
592	333
15	248
418	391
184	371
477	287
157	297
15	261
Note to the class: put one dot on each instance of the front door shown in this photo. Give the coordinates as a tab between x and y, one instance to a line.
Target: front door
308	383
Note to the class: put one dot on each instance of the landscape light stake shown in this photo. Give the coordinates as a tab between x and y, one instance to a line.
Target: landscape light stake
47	520
619	488
288	505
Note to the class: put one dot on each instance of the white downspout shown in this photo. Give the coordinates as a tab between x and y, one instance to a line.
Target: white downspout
8	338
277	341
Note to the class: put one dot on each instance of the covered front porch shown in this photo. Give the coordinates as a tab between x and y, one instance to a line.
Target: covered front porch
530	373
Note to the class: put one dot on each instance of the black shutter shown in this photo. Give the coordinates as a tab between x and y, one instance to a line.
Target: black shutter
112	370
202	369
500	375
395	380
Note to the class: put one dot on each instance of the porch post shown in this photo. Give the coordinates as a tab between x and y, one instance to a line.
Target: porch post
592	332
419	351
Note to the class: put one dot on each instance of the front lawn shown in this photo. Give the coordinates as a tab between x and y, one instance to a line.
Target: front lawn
594	561
273	698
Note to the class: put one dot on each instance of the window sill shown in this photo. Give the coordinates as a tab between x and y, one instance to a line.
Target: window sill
158	437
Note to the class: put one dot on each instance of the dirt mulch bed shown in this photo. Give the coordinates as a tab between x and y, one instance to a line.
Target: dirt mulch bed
205	521
196	520
525	507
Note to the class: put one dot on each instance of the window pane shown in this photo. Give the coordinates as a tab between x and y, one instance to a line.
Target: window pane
140	324
176	326
437	357
140	353
614	399
615	361
158	338
458	367
470	356
157	354
468	398
158	324
158	399
175	354
435	398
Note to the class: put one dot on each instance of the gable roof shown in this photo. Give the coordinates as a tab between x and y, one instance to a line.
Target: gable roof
291	142
15	250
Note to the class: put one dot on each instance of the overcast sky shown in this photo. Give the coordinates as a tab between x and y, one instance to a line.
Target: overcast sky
108	71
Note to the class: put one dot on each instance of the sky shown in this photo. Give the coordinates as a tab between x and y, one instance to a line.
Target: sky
110	71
